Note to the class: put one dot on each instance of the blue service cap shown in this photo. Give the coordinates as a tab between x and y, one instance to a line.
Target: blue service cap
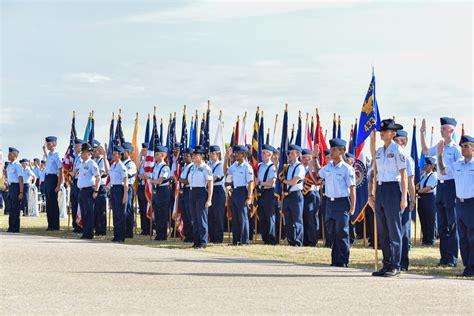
327	152
349	155
238	148
307	152
86	147
214	148
43	161
177	145
51	139
268	147
199	150
467	139
188	151
249	147
13	150
145	145
22	160
337	142
119	149
277	150
294	147
78	141
96	143
36	159
127	146
402	133
390	125
161	149
448	120
430	161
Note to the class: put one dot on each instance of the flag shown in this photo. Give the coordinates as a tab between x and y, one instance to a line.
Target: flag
148	167
308	134
334	126
176	214
362	190
339	134
110	149
119	138
243	132
237	131
414	156
267	140
69	155
320	141
304	141
254	150
219	137
232	138
274	130
192	134
292	133
136	152
261	136
147	130
299	131
207	139
160	141
312	129
354	140
283	156
88	129
462	132
91	135
351	137
202	132
369	116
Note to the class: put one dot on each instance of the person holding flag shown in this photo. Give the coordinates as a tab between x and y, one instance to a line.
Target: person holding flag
217	209
131	174
311	200
184	195
142	201
118	193
427	202
100	205
15	190
74	191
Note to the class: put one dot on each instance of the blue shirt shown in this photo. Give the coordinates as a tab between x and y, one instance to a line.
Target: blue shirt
217	171
200	175
141	171
161	170
451	154
42	175
242	174
463	173
88	170
429	180
53	163
117	173
185	173
100	162
262	169
410	166
300	172
131	170
36	171
389	163
337	179
77	163
27	175
14	172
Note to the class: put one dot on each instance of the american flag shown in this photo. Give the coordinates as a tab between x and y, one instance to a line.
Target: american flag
69	156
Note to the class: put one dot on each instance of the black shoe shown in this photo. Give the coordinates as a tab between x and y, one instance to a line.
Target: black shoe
201	247
188	240
404	269
195	245
451	265
392	273
115	240
380	273
158	238
441	264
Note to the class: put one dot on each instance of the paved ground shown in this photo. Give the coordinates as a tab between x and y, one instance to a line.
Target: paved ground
43	275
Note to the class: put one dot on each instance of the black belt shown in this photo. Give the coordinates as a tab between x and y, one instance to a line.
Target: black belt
91	187
445	181
337	199
117	185
465	200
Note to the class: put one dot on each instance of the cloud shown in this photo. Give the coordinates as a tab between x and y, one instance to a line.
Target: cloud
86	77
211	10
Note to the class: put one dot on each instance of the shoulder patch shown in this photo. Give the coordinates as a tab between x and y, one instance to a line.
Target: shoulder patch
402	157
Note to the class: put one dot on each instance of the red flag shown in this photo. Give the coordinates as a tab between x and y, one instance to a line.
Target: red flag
320	141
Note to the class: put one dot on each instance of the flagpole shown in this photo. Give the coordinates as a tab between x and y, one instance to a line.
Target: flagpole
282	192
414	197
365	230
152	211
376	237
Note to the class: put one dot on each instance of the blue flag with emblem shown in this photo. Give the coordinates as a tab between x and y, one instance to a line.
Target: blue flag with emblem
283	156
414	156
362	191
110	149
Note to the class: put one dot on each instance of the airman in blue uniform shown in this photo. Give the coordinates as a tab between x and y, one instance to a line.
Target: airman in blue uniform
36	170
118	193
240	174
266	196
29	178
53	182
74	193
311	200
100	204
390	198
131	172
427	202
15	190
141	195
88	183
184	196
339	179
463	173
293	200
445	193
200	196
217	210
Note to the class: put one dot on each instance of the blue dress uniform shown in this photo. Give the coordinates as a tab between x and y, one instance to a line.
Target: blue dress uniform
390	162
266	200
198	181
100	204
27	175
427	205
161	196
463	172
131	173
445	203
88	170
142	201
74	194
118	172
217	209
293	202
14	172
310	208
42	177
184	202
339	178
53	167
242	175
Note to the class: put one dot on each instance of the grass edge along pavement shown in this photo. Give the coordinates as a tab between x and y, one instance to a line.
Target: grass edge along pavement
423	260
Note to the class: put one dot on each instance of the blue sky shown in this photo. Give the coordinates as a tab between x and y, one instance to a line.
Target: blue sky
60	56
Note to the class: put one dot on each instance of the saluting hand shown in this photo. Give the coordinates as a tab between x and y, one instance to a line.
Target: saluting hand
423	126
316	151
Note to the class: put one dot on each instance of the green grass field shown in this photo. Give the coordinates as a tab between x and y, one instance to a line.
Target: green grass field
423	260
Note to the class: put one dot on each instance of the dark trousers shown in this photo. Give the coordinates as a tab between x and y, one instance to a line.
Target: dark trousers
74	198
447	226
14	211
369	225
427	214
52	207
86	202
6	202
100	210
129	217
279	218
26	196
311	218
160	208
240	219
197	201
217	215
118	209
266	215
293	212
186	214
328	233
143	205
465	212
389	223
338	220
405	217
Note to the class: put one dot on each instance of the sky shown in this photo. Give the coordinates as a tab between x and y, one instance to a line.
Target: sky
63	56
